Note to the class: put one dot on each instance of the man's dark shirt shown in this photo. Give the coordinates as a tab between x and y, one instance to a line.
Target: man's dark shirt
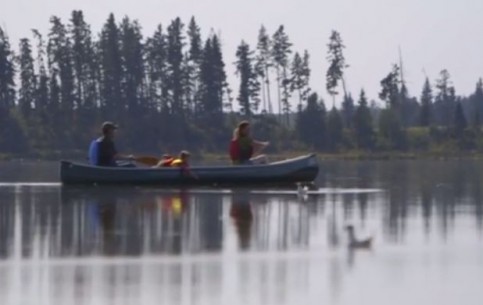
106	152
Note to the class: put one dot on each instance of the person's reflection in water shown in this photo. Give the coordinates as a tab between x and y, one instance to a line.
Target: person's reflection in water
107	221
242	216
173	207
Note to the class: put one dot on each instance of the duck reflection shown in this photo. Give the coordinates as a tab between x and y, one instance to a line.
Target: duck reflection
242	217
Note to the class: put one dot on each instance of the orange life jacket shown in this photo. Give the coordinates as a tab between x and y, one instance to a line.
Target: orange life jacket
167	162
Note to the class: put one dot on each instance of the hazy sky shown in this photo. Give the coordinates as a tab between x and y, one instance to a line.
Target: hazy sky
433	34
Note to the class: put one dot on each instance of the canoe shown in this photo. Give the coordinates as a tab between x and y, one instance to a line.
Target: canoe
300	169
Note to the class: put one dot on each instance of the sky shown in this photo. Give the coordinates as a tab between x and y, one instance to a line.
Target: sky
432	34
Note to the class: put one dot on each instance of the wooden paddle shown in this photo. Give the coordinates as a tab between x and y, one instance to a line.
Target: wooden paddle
147	160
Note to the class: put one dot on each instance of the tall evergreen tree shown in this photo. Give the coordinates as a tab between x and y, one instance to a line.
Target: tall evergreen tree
221	85
445	101
7	76
132	65
59	52
348	110
44	138
193	63
157	70
460	122
311	123
132	85
426	104
10	133
28	80
281	49
334	129
84	63
111	72
175	41
337	64
212	86
300	72
85	74
476	100
363	125
263	66
54	109
248	95
390	89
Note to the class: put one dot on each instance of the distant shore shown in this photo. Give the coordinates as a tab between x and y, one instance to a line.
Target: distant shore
222	158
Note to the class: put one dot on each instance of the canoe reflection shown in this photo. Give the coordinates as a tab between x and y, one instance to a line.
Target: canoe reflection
118	222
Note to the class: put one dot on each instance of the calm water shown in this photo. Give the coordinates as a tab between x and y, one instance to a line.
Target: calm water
110	245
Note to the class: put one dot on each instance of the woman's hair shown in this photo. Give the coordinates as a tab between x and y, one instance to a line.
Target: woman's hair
242	125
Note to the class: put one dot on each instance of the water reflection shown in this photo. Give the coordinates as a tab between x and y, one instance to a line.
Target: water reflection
126	245
132	222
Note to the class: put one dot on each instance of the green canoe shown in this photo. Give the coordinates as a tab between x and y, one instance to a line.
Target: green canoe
300	169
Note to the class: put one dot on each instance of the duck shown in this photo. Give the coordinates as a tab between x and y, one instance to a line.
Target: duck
357	244
302	190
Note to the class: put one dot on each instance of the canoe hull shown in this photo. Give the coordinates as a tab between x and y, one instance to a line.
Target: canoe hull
301	169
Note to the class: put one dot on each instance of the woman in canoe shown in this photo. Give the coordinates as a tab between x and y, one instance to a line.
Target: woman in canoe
244	149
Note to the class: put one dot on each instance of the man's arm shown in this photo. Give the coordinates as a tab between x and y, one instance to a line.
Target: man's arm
124	157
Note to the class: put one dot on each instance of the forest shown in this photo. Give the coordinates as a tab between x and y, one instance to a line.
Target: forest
169	91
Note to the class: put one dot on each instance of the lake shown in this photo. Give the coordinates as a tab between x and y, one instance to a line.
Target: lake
130	245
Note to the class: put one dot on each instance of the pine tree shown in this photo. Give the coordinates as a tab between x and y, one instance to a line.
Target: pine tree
281	49
28	80
59	52
390	89
53	107
10	134
132	66
248	95
44	139
263	66
212	85
334	129
348	110
85	74
300	72
175	41
132	88
111	72
476	100
426	104
84	63
157	70
311	123
445	101
192	65
337	64
220	82
7	76
363	125
460	122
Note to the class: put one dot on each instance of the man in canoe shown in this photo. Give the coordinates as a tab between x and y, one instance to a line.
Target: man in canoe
103	152
244	149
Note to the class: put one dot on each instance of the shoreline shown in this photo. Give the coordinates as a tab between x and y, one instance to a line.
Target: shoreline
322	156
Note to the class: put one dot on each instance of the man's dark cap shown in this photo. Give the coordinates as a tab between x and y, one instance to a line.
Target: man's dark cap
106	126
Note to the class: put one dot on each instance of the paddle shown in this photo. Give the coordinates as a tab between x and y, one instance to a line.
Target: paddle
147	160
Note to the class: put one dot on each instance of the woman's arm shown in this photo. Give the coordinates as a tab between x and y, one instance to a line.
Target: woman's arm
258	146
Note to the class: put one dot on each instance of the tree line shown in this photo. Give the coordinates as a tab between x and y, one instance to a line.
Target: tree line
169	91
